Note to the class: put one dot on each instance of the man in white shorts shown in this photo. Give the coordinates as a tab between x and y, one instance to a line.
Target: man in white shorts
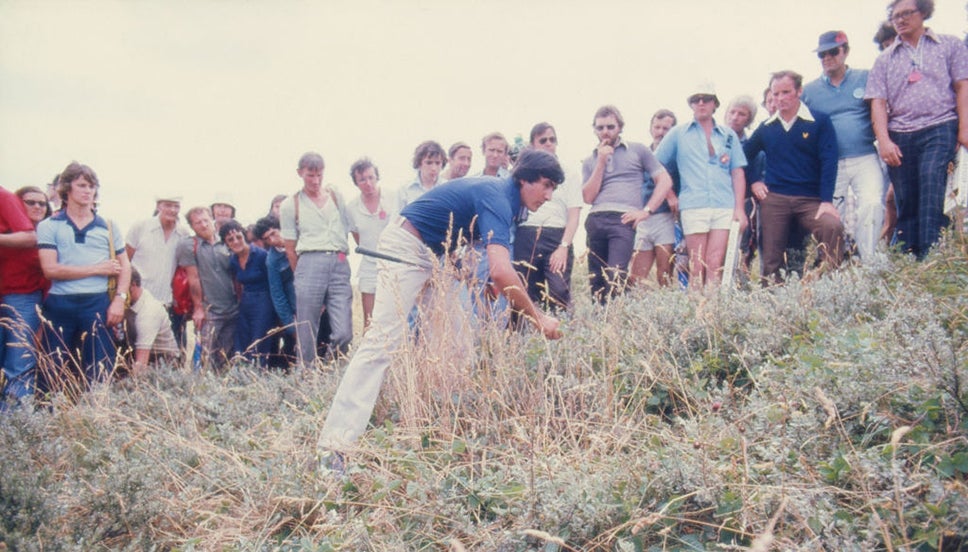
656	235
710	161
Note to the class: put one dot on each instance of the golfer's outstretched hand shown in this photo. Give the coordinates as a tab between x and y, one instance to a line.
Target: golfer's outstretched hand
549	326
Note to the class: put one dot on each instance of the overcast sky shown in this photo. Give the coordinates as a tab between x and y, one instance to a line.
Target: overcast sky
214	99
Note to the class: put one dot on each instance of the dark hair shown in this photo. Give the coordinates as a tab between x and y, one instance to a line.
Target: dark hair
885	32
135	276
539	129
534	164
34	190
263	225
455	148
925	8
429	149
361	165
230	226
609	110
797	78
74	171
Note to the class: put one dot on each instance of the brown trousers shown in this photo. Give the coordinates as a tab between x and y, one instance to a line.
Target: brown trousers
777	213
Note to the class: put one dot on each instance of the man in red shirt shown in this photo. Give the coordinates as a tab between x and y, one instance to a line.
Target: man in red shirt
21	289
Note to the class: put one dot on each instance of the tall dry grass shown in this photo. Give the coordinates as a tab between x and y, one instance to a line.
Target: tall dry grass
827	415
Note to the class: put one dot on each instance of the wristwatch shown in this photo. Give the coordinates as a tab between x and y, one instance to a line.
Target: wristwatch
648	210
123	296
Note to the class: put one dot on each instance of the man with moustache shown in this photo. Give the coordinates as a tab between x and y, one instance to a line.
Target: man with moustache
613	178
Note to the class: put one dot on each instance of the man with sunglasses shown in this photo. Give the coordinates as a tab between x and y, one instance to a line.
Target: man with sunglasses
543	250
712	193
839	92
613	177
918	90
21	287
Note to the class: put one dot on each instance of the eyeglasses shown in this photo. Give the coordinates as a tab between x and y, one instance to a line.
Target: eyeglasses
35	203
833	52
600	128
895	17
549	139
703	98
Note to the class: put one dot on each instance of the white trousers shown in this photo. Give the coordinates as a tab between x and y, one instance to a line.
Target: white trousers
399	287
861	183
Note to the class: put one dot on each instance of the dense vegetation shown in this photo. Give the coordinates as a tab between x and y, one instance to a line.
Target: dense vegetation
825	414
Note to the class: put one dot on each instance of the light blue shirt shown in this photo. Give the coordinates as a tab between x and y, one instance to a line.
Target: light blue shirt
79	247
848	110
706	180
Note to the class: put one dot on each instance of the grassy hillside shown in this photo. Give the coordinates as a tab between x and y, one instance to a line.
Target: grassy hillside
828	415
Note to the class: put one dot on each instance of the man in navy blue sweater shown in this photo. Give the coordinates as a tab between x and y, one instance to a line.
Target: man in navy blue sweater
801	171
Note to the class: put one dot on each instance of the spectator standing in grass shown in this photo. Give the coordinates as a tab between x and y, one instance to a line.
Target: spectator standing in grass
282	290
801	171
22	285
543	245
151	245
368	216
215	305
473	207
709	159
82	253
918	90
613	178
655	237
314	227
257	316
839	92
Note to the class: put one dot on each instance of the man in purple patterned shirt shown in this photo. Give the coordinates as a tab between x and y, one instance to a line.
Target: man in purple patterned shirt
918	89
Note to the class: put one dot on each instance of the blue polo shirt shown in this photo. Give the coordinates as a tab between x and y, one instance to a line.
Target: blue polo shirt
79	247
705	179
848	110
469	209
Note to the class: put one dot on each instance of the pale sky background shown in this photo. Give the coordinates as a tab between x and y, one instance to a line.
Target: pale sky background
212	98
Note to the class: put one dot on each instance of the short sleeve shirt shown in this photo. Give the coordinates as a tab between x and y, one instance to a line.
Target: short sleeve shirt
470	209
154	256
319	229
368	225
79	247
625	171
705	178
921	98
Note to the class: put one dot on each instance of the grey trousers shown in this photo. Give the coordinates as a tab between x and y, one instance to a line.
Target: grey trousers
323	279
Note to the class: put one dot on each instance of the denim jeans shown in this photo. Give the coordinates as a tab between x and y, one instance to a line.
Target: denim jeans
75	324
19	320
